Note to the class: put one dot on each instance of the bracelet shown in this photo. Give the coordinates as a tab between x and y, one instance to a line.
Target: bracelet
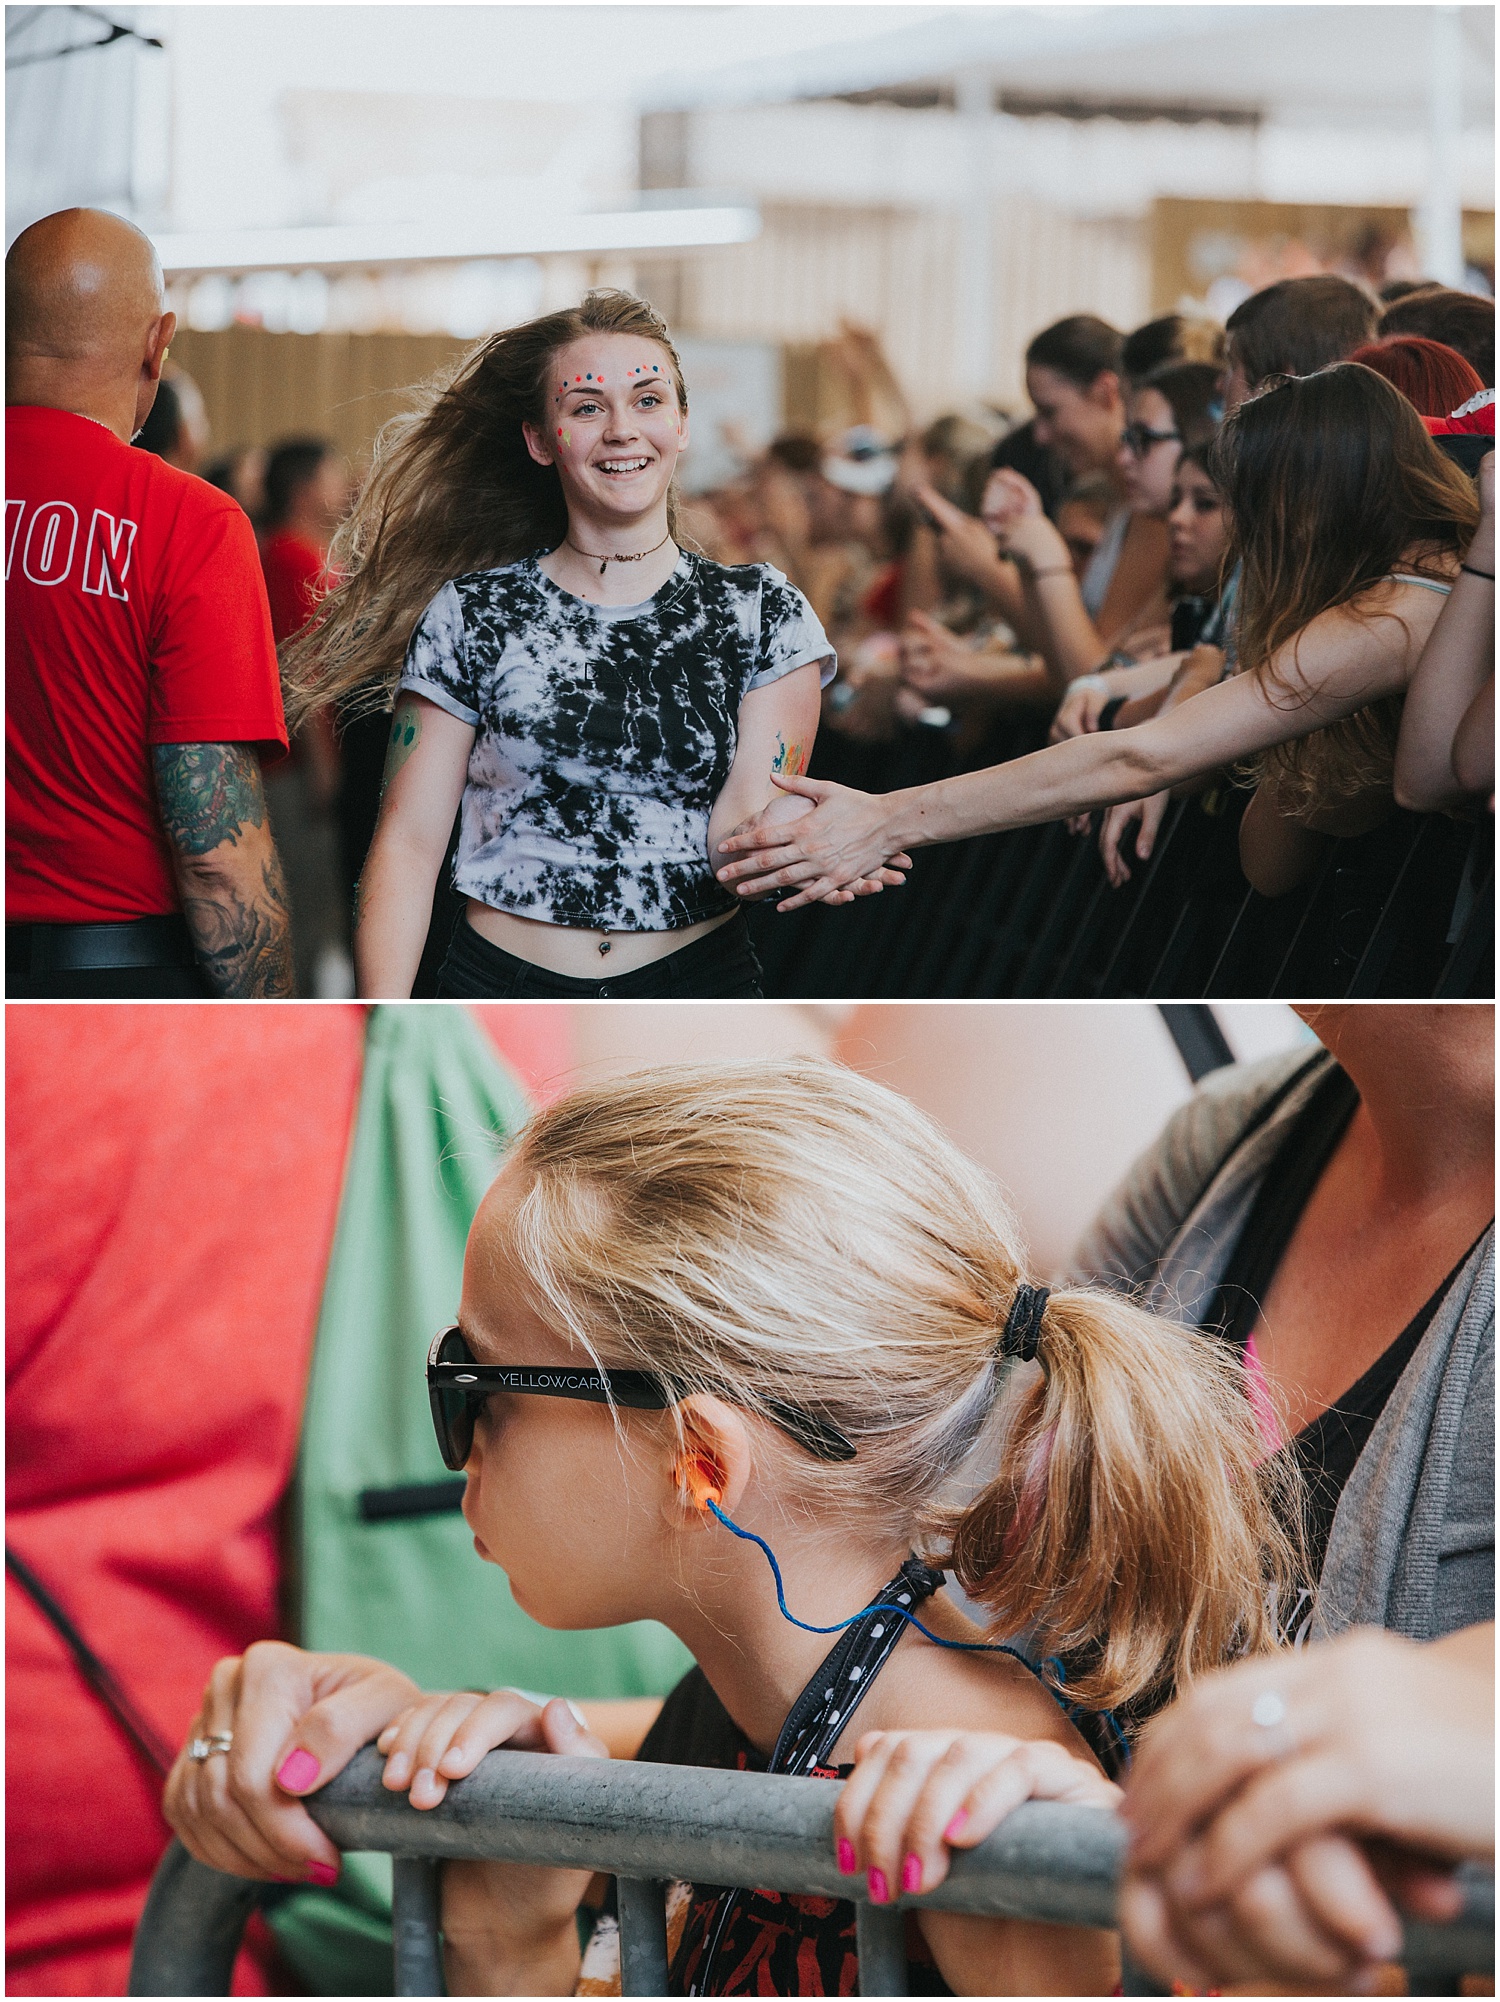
1487	575
1110	711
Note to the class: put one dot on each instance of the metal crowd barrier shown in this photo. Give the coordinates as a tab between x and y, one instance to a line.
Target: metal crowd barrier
647	1824
1406	911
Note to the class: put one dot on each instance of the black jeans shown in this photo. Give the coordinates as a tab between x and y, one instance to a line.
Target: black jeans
720	966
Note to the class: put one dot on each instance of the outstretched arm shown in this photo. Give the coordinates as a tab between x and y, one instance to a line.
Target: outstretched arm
229	875
1335	665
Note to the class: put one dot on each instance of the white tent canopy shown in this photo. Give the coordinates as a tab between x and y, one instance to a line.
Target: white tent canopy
1286	63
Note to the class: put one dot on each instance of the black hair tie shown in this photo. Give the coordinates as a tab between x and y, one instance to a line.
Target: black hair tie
1023	1325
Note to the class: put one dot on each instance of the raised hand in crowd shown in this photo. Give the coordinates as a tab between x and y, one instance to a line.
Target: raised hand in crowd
943	667
1202	668
968	548
1285	1809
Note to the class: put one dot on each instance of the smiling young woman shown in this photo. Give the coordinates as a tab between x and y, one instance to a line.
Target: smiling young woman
597	704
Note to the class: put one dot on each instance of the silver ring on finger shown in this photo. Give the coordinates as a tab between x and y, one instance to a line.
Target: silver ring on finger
201	1750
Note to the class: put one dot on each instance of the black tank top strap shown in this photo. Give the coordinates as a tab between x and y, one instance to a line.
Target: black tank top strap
817	1719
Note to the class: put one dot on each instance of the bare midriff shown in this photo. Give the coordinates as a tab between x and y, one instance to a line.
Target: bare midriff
575	953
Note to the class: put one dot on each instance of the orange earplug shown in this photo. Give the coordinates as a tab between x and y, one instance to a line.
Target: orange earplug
700	1479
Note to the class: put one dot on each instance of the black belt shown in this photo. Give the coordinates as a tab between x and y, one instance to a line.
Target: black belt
139	943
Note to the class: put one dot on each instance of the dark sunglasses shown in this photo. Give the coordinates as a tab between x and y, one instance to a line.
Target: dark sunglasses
1138	439
457	1387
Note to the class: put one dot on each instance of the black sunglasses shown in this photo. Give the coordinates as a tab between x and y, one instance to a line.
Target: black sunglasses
457	1387
1138	439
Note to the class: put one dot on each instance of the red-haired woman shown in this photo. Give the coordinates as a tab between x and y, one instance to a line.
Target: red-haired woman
1434	379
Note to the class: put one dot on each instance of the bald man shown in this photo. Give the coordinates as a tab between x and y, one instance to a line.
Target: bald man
141	683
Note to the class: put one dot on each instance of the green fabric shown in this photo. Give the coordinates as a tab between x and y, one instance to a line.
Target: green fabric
436	1107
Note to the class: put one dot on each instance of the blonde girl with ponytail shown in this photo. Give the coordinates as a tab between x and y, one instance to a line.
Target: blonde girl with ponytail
597	703
815	1321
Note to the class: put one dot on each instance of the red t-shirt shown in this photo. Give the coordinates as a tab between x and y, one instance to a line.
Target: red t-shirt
135	614
295	580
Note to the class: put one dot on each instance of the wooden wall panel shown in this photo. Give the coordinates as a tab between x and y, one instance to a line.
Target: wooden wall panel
261	388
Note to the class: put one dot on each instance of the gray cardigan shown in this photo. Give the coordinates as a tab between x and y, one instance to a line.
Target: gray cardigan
1412	1546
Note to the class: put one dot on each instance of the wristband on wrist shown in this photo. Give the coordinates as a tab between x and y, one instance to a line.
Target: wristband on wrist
1469	571
1110	711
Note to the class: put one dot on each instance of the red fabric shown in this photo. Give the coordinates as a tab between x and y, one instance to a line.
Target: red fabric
882	599
1468	420
174	1179
172	1203
535	1039
135	614
294	581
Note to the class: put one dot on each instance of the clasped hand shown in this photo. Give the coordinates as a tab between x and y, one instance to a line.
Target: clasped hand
831	854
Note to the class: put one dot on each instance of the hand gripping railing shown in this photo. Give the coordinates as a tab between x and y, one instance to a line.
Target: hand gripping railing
646	1824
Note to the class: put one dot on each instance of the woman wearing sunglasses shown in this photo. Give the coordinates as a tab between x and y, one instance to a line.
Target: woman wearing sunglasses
750	1350
1173	408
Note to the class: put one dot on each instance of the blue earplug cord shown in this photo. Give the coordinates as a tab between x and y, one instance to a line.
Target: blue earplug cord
901	1612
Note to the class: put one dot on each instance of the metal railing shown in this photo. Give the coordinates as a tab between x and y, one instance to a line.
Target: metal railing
1404	911
648	1824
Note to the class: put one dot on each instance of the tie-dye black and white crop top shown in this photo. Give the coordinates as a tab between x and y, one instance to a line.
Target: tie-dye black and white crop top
604	733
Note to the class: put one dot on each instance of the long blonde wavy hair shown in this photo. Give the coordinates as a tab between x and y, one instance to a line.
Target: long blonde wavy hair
452	488
792	1234
1331	478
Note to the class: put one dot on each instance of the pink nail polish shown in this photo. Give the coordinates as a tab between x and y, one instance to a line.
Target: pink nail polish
957	1825
322	1873
298	1771
911	1874
879	1890
847	1864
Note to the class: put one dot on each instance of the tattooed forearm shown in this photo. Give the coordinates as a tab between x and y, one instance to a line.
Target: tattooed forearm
208	793
242	931
229	875
790	759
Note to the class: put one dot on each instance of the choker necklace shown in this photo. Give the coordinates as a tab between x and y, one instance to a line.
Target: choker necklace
595	557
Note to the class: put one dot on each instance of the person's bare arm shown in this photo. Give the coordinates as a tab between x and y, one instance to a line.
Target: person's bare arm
776	728
1278	852
1200	669
968	548
1338	663
1474	745
229	875
1457	664
425	769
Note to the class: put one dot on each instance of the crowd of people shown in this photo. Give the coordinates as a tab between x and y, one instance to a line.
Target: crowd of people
1207	557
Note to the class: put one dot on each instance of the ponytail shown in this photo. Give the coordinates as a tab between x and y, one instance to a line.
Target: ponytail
793	1235
1133	1520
